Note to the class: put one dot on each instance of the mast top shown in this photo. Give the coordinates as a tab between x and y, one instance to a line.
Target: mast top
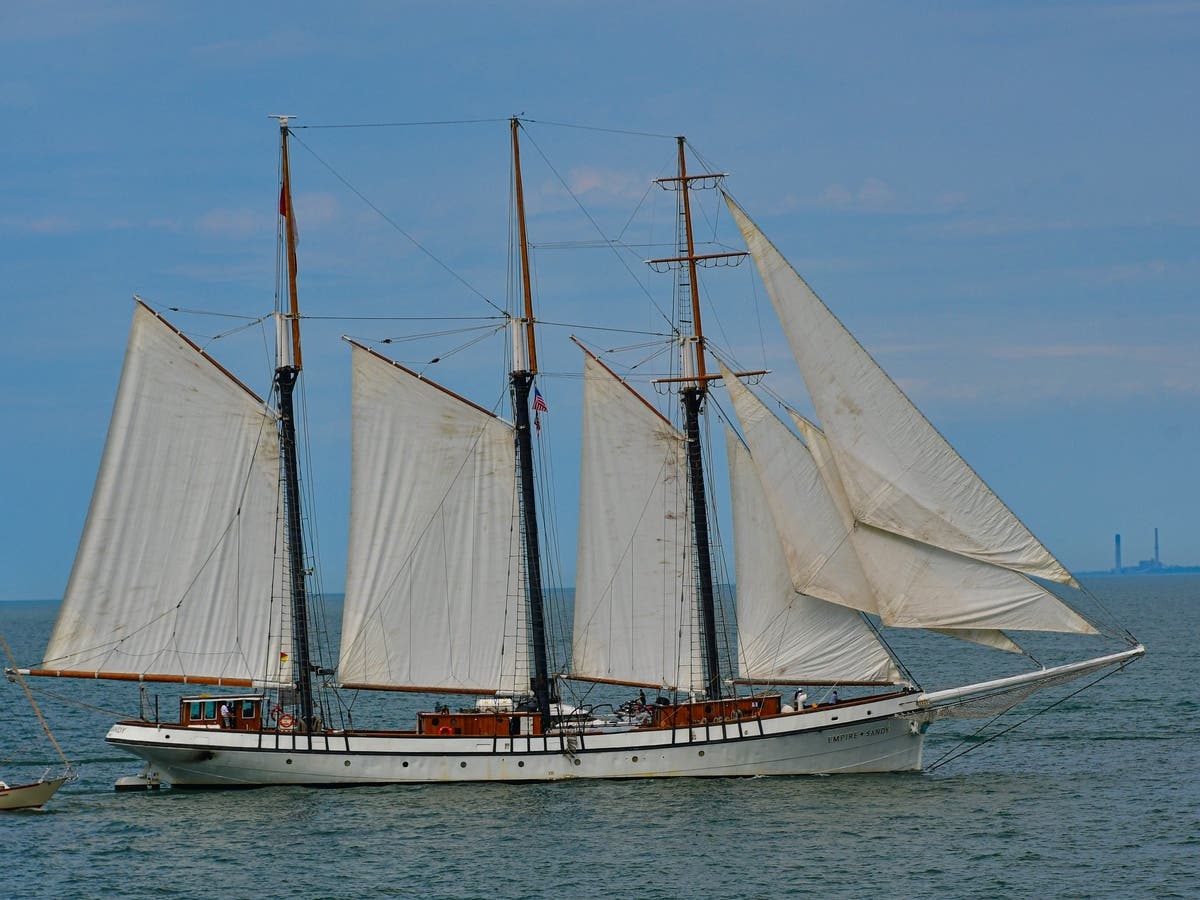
528	358
287	214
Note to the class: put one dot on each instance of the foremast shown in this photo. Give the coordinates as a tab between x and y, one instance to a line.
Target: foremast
287	371
693	392
521	380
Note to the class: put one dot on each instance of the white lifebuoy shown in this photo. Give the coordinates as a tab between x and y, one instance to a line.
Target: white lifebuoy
287	722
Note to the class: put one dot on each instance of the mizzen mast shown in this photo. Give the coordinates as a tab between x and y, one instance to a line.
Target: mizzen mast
521	380
287	372
695	380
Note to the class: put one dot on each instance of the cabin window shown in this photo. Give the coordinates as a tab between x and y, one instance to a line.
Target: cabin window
247	709
210	709
193	711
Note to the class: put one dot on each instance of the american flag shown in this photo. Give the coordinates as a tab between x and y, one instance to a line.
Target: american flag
539	406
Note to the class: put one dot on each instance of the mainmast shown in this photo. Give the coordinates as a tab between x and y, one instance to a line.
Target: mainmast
692	395
521	380
287	371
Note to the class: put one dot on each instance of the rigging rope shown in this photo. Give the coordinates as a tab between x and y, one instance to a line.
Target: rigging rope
292	127
596	226
444	122
16	676
412	240
953	753
70	701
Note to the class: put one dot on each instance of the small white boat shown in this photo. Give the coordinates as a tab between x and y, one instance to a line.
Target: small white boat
34	795
30	796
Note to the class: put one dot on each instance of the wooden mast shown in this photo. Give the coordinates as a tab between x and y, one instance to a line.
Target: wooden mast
695	380
526	285
286	374
521	380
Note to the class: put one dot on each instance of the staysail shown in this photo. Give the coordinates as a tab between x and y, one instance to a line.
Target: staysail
177	574
908	584
783	635
431	577
820	558
899	473
634	592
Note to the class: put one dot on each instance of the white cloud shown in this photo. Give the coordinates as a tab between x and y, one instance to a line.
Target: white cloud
1078	351
607	184
1121	274
17	95
873	195
47	225
279	44
58	19
234	223
962	371
951	200
315	210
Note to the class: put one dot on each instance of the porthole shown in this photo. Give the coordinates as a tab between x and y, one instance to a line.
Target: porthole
463	764
521	764
635	759
701	752
406	764
289	762
346	763
578	762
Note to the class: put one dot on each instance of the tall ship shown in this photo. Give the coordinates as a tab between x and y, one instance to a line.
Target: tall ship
193	566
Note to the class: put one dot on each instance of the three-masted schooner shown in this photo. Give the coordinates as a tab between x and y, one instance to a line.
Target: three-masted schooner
193	569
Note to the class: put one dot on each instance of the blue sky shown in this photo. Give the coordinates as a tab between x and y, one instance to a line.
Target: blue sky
998	199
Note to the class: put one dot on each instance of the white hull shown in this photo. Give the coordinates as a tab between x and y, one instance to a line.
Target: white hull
856	738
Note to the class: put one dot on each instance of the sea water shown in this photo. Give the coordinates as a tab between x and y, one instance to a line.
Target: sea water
1098	797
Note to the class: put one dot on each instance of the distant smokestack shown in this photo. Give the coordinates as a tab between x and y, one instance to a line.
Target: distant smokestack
1118	553
1156	560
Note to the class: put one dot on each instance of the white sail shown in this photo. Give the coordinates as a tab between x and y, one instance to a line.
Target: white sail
815	532
988	637
176	569
784	635
899	473
430	575
634	592
906	583
920	586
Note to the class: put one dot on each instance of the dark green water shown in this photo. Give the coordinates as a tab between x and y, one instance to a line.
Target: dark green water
1098	798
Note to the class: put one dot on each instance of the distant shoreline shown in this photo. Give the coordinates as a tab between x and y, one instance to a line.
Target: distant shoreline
1164	570
337	597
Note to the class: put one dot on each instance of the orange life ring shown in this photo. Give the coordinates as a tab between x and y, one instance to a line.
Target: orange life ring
287	722
445	729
